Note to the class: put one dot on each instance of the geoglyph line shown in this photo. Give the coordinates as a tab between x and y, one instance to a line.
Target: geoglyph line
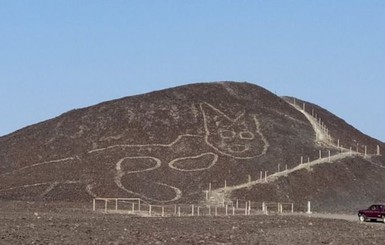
41	163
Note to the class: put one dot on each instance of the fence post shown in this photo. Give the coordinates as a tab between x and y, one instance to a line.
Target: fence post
93	205
237	203
233	211
301	159
209	210
216	211
192	210
292	208
378	150
116	204
265	176
149	210
162	211
308	208
320	154
366	150
227	210
179	211
105	206
198	210
246	208
139	205
329	156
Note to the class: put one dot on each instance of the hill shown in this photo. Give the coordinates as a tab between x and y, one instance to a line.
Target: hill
172	145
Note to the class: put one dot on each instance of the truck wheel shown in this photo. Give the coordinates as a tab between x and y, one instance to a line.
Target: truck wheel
362	218
383	219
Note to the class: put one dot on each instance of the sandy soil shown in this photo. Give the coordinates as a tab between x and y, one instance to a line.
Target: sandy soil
22	223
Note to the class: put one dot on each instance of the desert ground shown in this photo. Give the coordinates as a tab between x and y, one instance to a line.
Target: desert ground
64	223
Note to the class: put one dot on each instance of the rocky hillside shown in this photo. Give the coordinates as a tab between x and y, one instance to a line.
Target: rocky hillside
173	145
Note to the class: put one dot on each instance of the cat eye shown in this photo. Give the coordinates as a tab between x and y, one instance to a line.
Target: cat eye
227	134
246	135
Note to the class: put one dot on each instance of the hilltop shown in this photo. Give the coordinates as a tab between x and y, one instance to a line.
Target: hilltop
171	146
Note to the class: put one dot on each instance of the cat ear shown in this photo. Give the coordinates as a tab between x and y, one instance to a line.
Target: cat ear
213	117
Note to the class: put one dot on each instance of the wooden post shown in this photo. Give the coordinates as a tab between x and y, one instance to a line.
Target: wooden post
357	148
301	159
249	207
303	106
265	176
338	143
261	175
133	207
227	210
198	211
162	211
279	169
210	187
350	150
175	210
207	195
209	210
329	156
116	204
292	208
233	211
105	205
139	205
93	205
366	150
192	210
237	204
246	208
225	185
378	150
216	211
312	112
249	178
320	154
308	208
149	210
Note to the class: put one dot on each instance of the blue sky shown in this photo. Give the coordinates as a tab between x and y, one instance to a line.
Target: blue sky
64	54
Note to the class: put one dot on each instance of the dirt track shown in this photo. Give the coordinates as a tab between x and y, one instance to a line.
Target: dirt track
22	223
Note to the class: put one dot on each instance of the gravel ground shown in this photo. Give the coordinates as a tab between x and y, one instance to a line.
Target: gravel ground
39	224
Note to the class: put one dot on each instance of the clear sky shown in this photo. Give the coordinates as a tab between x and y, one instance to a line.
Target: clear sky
64	54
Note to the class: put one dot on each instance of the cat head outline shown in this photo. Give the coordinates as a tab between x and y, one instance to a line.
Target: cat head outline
239	138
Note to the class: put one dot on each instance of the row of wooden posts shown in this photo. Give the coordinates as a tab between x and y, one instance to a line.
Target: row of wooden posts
137	206
326	130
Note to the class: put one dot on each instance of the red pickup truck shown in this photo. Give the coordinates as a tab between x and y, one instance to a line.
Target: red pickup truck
373	213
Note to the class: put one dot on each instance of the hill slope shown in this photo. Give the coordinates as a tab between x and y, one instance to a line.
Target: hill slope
169	146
